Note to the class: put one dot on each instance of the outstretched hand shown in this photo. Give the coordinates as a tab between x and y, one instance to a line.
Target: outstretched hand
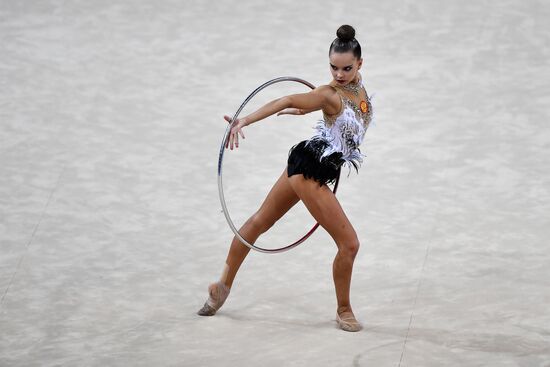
236	129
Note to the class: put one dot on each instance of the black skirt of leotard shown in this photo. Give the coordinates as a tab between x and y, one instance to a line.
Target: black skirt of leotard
304	158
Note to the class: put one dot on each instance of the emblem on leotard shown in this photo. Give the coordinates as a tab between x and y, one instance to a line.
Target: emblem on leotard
363	106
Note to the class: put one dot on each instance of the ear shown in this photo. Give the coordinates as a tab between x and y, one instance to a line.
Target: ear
359	63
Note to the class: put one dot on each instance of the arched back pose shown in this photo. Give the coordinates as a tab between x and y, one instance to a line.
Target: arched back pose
312	164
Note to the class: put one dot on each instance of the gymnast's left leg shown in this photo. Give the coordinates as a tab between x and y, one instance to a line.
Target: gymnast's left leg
325	208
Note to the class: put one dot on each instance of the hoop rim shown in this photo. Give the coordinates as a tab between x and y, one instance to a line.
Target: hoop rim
220	171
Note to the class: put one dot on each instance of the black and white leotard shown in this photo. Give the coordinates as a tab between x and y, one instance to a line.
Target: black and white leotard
335	143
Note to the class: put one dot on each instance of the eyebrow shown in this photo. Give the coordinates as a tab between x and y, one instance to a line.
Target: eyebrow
334	66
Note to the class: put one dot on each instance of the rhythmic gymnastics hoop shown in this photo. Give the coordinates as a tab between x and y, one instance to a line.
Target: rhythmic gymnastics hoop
220	177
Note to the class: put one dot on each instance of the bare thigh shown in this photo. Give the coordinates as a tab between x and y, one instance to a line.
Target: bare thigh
280	199
325	208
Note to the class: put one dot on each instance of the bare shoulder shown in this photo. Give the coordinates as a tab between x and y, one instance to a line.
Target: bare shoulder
332	97
326	90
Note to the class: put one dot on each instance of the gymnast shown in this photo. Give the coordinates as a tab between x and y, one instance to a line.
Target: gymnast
311	165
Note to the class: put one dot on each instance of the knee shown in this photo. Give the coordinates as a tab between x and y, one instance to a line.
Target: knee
260	223
350	248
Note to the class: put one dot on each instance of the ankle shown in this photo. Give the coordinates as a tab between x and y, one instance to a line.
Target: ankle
342	309
225	284
220	285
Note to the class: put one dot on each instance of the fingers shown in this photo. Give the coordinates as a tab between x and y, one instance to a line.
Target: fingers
229	142
233	141
232	137
228	119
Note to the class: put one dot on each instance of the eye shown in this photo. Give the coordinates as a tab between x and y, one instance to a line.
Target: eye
347	68
333	67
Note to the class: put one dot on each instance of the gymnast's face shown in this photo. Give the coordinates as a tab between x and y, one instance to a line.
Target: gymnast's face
344	67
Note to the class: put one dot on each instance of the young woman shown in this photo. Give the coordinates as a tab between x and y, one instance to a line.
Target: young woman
312	164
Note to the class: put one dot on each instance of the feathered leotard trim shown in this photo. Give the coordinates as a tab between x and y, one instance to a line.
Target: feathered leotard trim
335	143
306	158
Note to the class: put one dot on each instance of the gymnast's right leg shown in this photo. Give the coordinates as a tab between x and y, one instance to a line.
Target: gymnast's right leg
279	200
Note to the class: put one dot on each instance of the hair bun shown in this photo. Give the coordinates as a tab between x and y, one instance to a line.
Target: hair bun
345	33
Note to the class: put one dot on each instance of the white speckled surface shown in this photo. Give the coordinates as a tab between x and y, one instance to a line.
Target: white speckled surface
110	225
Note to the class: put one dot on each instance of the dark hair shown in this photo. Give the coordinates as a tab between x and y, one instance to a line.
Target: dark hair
345	41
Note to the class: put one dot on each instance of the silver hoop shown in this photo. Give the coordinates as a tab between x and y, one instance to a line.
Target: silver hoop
220	166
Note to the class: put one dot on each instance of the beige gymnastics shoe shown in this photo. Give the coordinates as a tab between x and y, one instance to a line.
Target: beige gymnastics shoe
346	321
217	294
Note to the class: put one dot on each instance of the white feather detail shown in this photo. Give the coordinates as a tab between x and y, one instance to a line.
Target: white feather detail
345	135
